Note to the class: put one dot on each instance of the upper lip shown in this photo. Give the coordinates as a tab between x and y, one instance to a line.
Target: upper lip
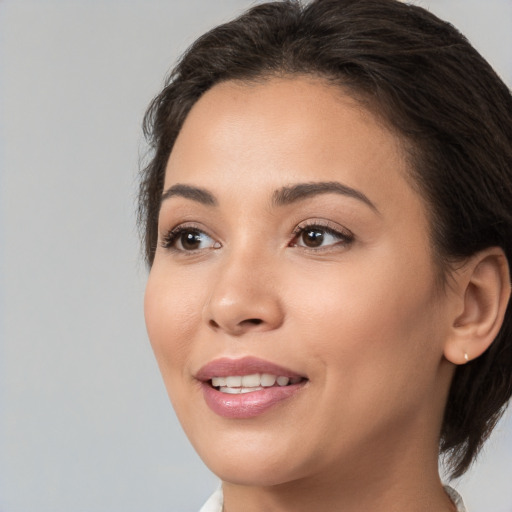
225	367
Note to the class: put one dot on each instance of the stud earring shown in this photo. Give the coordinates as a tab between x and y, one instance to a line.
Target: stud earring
466	357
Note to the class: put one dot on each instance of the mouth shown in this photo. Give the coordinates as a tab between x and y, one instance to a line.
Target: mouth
247	387
236	384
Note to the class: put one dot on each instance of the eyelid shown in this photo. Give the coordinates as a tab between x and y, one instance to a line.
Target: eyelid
169	237
345	235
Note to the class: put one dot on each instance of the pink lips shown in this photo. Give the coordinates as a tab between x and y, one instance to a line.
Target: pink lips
246	405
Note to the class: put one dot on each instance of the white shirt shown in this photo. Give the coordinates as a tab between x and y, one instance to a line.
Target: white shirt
215	503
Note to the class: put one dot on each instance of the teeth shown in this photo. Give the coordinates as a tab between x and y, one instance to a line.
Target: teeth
237	391
236	384
283	381
251	381
268	380
218	382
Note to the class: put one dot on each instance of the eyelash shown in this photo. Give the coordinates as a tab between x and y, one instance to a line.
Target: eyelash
172	237
344	236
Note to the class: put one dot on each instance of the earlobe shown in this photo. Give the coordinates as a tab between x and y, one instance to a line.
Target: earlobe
484	288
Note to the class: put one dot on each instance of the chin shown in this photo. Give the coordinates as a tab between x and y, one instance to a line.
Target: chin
247	473
252	467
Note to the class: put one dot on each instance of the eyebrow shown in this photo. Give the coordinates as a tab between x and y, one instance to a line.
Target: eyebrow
287	195
198	194
281	197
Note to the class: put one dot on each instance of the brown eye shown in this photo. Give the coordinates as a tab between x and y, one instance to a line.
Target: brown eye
184	239
321	237
190	240
313	237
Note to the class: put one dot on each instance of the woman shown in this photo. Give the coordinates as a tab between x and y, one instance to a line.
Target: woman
327	221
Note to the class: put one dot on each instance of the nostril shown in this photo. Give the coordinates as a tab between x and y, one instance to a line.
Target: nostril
254	321
235	327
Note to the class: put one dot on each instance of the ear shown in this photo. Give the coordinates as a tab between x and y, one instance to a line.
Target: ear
483	287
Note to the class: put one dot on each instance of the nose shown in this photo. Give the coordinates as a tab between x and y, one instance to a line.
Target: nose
244	297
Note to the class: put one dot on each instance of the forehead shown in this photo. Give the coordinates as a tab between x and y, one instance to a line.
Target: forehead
280	109
284	129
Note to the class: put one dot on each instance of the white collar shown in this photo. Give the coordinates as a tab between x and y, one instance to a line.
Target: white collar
214	503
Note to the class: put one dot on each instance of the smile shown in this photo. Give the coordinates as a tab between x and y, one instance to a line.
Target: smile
247	387
236	384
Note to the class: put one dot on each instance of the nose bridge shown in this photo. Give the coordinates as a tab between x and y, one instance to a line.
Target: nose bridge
244	295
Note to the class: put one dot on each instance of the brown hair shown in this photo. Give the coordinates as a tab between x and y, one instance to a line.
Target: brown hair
445	102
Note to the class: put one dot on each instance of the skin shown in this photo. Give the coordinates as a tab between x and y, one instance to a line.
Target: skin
363	318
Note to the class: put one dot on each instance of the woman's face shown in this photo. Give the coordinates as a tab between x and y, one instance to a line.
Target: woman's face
291	245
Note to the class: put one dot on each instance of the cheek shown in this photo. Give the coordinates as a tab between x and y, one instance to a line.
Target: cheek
172	314
372	324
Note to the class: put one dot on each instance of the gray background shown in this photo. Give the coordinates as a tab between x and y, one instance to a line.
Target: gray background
85	423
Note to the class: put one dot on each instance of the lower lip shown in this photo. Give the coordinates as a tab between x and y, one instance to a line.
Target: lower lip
247	405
